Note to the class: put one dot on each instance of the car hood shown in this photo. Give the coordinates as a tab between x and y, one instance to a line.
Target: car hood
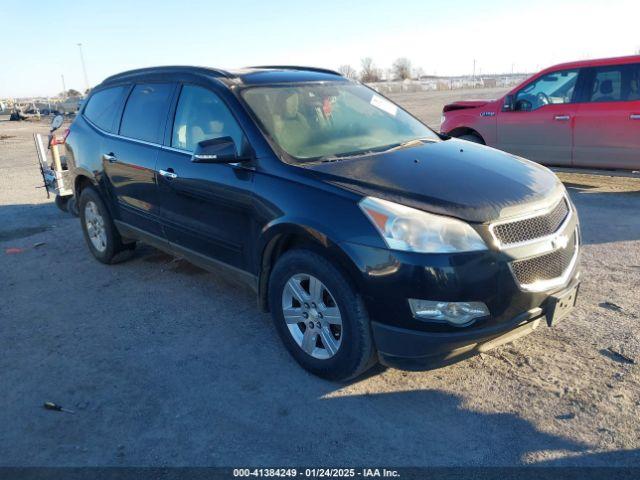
456	178
464	104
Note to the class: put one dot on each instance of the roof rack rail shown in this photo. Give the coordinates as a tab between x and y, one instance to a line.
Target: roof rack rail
298	67
168	68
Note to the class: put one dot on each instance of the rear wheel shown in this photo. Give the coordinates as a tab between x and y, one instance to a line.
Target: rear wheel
100	233
320	317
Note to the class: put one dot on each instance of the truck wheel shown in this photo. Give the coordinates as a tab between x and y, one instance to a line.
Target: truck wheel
62	203
472	137
100	233
320	317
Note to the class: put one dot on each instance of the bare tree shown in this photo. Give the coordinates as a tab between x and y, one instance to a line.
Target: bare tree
369	72
402	69
71	93
348	71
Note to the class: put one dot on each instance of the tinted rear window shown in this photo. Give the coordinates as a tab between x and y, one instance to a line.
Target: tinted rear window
615	83
103	107
146	111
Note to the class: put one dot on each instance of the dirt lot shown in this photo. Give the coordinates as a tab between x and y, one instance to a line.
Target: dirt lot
166	364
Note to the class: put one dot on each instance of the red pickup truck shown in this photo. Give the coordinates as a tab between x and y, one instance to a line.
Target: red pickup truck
583	114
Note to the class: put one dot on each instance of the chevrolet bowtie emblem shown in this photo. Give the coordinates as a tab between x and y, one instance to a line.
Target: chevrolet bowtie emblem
561	241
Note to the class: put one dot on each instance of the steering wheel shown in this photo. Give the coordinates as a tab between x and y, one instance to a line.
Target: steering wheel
543	98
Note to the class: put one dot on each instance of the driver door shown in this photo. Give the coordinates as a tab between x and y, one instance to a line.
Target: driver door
539	125
205	208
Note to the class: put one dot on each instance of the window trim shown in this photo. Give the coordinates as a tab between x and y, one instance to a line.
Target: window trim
574	95
135	140
116	117
590	75
170	116
163	127
171	121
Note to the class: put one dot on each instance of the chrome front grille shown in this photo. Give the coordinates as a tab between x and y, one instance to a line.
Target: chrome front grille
549	269
553	233
531	228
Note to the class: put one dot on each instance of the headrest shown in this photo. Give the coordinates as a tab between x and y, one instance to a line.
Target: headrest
606	87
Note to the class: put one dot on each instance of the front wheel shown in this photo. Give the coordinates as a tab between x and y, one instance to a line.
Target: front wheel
320	317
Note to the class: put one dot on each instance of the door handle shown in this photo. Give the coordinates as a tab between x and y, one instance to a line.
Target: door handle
562	118
168	173
110	157
634	116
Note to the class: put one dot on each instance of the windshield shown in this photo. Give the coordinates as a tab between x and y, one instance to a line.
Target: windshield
329	121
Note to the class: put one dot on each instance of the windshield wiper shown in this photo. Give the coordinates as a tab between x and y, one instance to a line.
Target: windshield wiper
387	148
411	143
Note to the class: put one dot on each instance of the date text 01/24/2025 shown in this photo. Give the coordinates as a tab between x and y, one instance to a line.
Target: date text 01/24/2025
315	472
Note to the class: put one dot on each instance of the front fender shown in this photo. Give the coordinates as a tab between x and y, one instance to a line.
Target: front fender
284	233
472	120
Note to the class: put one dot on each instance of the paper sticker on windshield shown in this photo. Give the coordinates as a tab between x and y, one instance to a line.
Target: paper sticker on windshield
384	105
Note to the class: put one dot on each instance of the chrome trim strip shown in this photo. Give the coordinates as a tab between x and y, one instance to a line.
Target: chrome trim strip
151	144
143	142
173	149
544	285
526	216
119	137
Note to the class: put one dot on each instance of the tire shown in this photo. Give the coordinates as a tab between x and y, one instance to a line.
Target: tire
351	352
98	228
472	137
62	203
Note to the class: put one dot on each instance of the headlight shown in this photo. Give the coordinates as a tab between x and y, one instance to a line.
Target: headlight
408	229
442	119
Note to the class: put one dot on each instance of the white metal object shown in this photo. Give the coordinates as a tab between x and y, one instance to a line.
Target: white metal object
56	180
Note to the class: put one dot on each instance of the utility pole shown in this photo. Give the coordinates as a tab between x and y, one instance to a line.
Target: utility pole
64	88
473	78
84	68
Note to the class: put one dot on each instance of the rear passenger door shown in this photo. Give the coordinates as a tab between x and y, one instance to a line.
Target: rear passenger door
102	117
607	127
130	158
205	207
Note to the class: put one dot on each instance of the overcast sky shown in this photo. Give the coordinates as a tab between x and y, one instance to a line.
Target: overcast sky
39	38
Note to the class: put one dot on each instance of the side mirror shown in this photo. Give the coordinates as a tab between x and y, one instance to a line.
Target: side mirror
56	123
216	150
523	106
507	106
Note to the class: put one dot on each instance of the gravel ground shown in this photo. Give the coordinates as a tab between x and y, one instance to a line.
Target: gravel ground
166	364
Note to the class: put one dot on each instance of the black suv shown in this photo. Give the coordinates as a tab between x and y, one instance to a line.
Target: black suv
367	235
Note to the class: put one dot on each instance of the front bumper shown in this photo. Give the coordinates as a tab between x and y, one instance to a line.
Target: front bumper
388	278
419	350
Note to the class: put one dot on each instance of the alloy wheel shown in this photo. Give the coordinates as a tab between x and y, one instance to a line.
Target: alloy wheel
94	223
312	316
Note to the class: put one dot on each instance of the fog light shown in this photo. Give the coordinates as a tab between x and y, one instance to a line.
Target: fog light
459	314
